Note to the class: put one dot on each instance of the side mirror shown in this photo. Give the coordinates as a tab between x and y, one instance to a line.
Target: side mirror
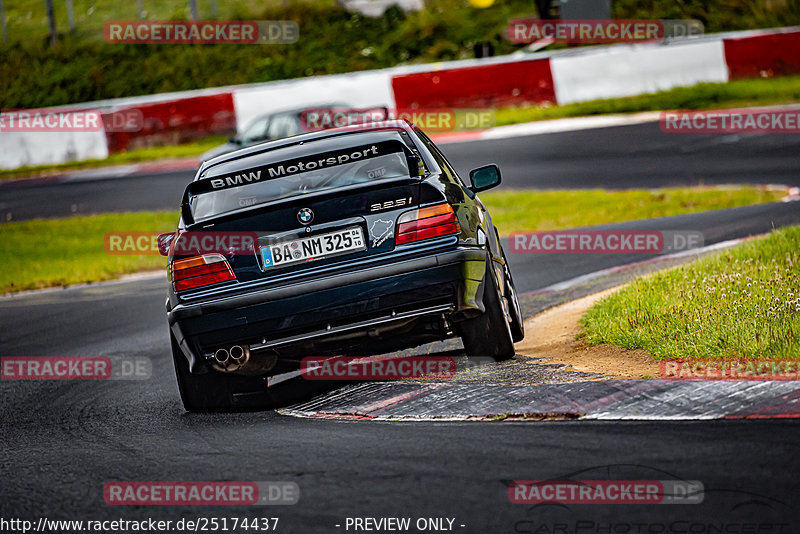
484	178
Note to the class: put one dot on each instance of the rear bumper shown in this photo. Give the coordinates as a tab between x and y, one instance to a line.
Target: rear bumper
348	304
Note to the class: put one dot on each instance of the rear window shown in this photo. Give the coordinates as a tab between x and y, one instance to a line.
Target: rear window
298	176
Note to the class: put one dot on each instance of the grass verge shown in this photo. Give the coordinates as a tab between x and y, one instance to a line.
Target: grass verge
521	211
57	252
738	93
739	304
195	148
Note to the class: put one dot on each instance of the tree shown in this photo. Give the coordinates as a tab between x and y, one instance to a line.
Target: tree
193	9
3	21
51	19
70	16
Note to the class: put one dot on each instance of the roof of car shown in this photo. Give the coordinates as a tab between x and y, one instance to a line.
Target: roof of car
297	111
397	125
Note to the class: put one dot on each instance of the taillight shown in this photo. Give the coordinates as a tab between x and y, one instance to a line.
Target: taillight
425	223
201	271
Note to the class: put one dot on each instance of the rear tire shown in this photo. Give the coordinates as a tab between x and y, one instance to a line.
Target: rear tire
212	391
490	333
515	313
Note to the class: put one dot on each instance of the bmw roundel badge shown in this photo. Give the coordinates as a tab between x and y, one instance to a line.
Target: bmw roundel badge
305	215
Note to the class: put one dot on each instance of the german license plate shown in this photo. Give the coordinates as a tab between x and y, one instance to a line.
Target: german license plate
313	248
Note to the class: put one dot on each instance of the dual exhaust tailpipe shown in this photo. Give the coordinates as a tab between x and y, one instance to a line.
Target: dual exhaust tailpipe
233	359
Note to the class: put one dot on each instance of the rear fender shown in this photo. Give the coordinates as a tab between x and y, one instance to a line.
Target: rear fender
472	288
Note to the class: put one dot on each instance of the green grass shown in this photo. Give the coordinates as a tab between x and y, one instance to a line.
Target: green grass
740	304
716	15
519	211
56	252
44	253
195	148
738	93
27	20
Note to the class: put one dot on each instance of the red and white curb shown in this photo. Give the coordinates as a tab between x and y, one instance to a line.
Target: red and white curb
792	194
120	171
649	400
602	400
108	172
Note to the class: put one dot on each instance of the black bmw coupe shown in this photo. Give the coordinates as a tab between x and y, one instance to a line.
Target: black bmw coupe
352	241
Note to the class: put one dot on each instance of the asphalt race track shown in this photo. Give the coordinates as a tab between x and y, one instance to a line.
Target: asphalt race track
623	157
636	156
62	441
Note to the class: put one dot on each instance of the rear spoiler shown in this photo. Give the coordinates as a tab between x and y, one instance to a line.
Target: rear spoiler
278	169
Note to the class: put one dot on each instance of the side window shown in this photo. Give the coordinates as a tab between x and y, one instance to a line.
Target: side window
256	131
448	169
283	126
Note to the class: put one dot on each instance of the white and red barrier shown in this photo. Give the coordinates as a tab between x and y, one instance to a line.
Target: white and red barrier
561	77
28	149
618	71
763	54
360	89
174	122
486	86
